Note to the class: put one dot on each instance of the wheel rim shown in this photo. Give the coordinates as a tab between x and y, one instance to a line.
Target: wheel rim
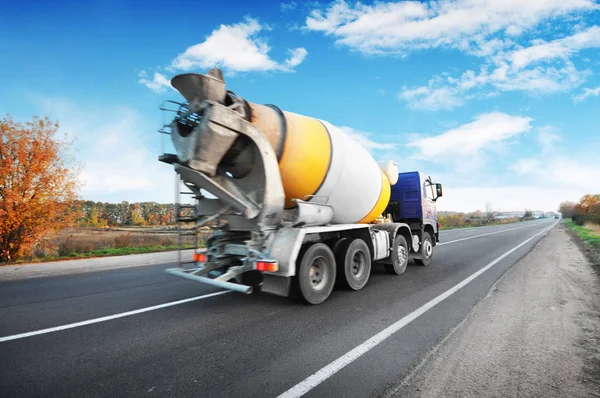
359	263
318	274
401	255
428	248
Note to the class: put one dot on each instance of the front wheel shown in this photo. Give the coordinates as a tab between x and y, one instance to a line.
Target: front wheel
426	250
316	273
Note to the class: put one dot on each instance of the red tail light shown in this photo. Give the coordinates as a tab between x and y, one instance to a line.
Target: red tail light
200	257
267	266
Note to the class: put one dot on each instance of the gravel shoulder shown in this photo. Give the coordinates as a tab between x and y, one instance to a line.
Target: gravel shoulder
536	334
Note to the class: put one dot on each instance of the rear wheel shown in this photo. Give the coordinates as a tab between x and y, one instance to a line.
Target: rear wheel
316	273
426	250
399	256
353	259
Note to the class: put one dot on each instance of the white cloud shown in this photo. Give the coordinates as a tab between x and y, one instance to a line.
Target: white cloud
296	57
363	139
235	48
430	97
559	172
158	84
400	27
448	93
548	139
506	198
290	6
560	48
120	159
469	139
489	29
587	92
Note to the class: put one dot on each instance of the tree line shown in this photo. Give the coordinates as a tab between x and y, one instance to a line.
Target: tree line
586	210
102	214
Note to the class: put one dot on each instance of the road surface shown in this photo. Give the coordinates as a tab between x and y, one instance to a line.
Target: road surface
138	339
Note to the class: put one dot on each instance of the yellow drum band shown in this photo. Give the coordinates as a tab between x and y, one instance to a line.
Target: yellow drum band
382	202
304	148
306	157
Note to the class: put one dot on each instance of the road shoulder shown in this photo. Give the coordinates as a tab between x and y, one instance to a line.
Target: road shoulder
71	267
535	334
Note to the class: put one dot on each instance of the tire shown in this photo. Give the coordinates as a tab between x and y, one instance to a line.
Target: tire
426	251
353	259
316	273
399	256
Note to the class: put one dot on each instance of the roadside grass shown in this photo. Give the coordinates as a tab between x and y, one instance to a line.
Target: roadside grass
590	235
486	224
74	243
121	251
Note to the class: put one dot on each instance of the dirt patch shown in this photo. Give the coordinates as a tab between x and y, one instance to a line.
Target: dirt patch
536	333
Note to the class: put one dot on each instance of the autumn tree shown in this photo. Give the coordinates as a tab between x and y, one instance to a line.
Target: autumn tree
588	209
567	209
37	187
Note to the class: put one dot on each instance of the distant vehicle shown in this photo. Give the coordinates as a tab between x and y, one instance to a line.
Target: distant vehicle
298	204
556	217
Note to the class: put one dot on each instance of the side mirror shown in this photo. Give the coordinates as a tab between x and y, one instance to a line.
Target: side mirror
438	190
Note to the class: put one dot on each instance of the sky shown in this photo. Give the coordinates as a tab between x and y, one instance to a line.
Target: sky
497	100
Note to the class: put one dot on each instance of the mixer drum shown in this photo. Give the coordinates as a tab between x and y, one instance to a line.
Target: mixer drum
320	163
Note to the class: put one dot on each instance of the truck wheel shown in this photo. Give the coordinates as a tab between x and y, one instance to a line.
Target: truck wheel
353	263
316	273
399	256
426	250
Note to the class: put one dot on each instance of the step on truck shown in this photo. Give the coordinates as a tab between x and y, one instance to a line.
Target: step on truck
295	206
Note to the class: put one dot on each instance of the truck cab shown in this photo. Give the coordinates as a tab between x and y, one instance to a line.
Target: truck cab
413	201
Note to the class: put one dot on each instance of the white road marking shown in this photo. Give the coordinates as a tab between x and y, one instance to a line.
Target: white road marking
497	226
173	303
108	318
329	370
489	233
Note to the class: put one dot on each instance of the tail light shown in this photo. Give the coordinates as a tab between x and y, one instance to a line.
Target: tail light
267	266
200	257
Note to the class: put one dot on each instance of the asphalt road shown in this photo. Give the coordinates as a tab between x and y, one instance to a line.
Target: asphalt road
231	345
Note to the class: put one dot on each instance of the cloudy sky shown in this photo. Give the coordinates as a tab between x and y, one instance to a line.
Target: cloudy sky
498	100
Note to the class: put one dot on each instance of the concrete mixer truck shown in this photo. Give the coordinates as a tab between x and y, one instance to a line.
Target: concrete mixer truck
295	205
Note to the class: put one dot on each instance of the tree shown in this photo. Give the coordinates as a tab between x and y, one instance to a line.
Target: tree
567	209
588	209
37	188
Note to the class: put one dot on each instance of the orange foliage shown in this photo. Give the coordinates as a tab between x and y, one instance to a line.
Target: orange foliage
36	186
587	210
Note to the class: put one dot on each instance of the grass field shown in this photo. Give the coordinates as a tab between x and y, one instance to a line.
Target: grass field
95	242
590	234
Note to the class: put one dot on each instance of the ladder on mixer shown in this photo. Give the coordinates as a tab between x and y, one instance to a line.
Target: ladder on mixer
185	220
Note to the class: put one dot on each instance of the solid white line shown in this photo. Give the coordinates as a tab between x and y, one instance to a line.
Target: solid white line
107	318
329	370
490	233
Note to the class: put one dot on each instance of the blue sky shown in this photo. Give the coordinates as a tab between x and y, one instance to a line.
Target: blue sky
498	100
